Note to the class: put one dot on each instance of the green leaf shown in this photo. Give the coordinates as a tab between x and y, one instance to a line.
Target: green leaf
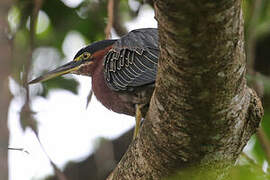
247	172
239	172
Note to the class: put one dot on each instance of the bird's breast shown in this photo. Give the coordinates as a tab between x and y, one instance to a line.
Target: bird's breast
123	102
115	101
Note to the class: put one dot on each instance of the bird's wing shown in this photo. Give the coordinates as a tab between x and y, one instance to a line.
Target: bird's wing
132	61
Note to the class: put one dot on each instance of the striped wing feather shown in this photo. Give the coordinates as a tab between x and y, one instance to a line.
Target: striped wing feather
132	61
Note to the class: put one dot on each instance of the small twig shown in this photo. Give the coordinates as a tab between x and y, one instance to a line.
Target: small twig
109	26
26	110
264	143
19	149
117	20
249	159
28	63
26	107
60	175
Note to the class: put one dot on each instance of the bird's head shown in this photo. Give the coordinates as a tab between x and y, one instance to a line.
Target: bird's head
84	62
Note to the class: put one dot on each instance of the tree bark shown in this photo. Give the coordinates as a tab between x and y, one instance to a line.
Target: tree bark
202	113
5	55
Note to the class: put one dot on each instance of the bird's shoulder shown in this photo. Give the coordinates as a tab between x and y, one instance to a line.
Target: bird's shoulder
138	40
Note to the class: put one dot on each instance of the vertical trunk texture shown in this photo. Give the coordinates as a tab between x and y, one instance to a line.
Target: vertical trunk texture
202	113
5	58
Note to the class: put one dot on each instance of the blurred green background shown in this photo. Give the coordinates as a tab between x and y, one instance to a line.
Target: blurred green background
46	48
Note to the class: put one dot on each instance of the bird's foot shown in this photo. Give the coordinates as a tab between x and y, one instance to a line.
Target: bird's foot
138	120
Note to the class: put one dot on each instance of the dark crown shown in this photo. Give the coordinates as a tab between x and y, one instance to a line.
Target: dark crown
96	46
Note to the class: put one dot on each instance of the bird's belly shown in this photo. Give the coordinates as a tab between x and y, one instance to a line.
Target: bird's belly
125	102
120	104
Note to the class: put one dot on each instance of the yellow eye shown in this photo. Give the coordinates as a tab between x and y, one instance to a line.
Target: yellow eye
86	55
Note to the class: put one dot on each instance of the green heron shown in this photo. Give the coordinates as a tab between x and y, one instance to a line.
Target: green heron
123	71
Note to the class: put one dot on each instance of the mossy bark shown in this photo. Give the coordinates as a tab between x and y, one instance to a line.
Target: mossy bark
202	113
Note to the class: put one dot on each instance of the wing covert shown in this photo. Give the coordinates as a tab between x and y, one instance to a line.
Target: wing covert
132	61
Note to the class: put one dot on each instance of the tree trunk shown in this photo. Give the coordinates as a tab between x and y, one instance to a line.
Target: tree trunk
5	55
202	113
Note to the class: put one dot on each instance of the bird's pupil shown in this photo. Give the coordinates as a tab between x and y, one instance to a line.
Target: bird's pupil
85	56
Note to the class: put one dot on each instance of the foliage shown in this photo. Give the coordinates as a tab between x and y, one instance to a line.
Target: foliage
257	151
239	172
257	23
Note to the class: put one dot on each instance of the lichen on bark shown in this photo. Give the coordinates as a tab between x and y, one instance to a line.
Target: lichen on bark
202	113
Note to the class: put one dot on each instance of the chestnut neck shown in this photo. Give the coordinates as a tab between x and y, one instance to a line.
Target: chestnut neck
102	92
98	80
110	99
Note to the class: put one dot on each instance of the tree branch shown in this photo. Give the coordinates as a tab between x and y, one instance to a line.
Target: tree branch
264	143
110	8
202	113
117	20
114	19
5	96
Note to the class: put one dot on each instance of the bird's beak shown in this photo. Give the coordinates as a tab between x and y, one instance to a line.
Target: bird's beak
65	69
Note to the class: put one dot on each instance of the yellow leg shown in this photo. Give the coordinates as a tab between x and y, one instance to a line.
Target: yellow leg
138	121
